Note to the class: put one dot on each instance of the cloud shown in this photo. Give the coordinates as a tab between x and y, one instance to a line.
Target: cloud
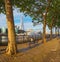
17	17
29	25
2	20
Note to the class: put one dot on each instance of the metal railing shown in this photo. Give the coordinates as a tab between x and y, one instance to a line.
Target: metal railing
19	38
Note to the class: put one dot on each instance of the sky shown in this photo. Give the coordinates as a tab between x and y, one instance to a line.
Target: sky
26	19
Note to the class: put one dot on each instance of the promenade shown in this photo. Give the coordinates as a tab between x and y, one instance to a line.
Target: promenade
49	52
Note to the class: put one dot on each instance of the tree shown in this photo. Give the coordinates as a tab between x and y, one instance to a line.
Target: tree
36	9
12	48
54	13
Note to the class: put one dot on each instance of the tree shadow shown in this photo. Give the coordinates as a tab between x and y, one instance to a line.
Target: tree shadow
29	47
2	51
53	37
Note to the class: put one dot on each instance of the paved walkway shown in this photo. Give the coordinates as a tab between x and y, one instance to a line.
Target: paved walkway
54	54
49	52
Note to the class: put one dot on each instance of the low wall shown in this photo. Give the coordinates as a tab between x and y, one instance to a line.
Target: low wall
19	38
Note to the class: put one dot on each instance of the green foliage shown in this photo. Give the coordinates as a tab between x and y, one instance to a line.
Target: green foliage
54	12
36	8
2	6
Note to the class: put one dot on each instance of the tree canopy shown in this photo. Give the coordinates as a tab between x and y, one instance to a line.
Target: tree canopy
36	8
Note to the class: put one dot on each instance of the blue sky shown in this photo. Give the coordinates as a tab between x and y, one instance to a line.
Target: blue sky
17	17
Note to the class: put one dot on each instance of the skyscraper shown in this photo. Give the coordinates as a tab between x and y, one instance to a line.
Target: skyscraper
21	23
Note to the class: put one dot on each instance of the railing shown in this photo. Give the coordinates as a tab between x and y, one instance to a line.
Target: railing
19	38
22	38
3	38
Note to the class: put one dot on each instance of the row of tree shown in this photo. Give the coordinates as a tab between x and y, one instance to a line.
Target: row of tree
45	11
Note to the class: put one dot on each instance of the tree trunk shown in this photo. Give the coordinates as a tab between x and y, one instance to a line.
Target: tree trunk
12	48
51	30
44	22
44	29
56	31
51	33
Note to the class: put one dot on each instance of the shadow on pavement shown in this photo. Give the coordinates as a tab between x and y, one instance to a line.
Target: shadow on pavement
29	47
